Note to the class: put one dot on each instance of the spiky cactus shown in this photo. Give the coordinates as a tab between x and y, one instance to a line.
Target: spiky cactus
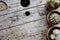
55	18
53	3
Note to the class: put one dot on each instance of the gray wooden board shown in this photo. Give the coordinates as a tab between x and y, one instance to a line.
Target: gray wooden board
24	27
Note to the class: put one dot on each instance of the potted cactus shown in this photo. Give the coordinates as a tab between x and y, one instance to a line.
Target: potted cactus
52	4
53	18
53	33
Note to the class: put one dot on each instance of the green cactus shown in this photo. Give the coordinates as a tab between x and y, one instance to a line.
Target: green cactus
55	18
53	3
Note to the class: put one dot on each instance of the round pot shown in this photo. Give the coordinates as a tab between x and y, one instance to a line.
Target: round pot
50	8
49	30
48	17
4	3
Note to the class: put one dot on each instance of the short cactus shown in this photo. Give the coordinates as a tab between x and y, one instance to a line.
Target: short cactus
53	3
55	35
55	18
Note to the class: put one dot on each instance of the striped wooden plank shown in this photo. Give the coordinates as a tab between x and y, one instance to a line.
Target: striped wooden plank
15	25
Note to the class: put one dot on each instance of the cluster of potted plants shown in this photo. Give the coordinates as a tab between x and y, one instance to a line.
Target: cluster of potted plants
53	19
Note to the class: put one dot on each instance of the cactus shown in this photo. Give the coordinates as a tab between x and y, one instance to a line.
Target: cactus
53	3
52	36
55	36
55	18
56	31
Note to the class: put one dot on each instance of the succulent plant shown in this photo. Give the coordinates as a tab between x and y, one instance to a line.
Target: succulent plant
55	18
58	37
55	35
56	31
52	36
53	3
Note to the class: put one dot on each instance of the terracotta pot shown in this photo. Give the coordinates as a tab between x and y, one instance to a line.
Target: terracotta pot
4	4
48	16
50	8
49	30
58	9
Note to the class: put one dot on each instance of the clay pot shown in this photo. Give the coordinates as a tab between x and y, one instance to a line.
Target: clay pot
49	30
48	17
5	5
50	8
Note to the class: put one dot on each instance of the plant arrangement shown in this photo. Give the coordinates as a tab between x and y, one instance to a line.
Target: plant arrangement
53	19
52	4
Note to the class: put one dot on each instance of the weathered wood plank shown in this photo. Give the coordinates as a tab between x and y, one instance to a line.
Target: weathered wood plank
32	29
15	25
14	5
20	17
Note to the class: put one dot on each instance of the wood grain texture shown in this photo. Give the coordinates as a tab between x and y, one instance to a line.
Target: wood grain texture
15	25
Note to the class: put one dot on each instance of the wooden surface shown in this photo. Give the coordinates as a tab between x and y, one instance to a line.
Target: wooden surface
24	27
